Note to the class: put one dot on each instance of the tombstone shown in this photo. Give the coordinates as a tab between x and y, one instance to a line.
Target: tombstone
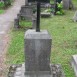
67	4
37	51
26	12
37	54
37	57
75	17
74	63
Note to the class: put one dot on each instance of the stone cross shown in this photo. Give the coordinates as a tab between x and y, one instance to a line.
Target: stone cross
37	50
38	12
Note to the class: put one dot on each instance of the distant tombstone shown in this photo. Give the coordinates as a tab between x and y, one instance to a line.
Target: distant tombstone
75	17
67	4
26	12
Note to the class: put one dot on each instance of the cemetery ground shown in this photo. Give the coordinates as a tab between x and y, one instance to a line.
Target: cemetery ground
64	41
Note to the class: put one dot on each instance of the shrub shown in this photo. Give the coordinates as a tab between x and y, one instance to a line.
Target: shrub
2	4
8	2
60	9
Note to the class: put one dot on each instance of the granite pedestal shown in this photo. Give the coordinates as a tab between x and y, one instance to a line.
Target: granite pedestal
19	71
37	51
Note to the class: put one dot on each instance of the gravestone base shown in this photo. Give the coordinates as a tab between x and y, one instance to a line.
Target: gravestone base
45	15
74	63
19	71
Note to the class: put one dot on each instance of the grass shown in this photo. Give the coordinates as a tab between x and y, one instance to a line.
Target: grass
64	42
25	24
1	11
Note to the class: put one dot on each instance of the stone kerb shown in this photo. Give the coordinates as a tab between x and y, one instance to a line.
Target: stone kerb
75	17
74	63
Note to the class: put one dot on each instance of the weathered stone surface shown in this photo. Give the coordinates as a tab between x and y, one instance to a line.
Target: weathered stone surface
26	12
74	63
67	4
26	2
56	71
37	50
75	17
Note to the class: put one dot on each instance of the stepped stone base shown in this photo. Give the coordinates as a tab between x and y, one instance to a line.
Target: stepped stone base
74	63
19	71
45	15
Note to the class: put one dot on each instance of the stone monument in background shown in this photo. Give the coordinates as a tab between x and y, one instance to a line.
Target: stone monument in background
67	4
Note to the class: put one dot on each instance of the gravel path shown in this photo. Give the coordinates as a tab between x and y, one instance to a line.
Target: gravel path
6	21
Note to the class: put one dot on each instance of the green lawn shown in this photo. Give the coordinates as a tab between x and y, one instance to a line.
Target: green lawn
1	11
64	41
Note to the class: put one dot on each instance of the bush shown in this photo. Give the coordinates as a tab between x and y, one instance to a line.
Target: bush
8	2
60	9
2	4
